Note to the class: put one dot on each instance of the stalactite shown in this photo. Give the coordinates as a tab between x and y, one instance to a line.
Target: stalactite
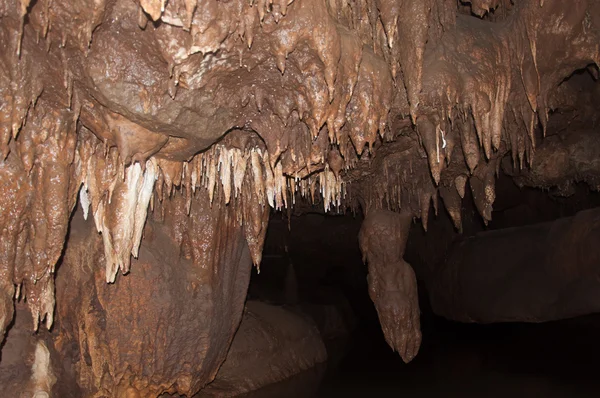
453	203
254	104
392	282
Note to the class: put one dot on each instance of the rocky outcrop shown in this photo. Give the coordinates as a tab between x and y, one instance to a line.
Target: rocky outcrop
272	344
535	273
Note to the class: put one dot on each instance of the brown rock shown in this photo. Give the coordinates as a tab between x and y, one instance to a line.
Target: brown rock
166	326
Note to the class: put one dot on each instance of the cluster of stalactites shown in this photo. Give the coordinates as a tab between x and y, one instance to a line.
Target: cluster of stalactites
121	213
119	195
491	94
270	182
225	168
156	9
37	198
463	106
402	187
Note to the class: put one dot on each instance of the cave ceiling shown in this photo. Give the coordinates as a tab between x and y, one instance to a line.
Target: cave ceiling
121	105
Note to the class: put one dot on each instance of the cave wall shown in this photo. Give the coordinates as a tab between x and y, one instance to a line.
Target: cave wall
271	345
540	272
125	106
167	326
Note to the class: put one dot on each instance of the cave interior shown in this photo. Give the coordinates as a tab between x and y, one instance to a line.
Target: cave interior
299	198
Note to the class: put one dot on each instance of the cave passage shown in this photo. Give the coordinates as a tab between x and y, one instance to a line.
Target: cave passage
312	264
206	198
457	360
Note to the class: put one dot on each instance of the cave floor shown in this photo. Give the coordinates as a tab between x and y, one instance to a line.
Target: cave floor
556	359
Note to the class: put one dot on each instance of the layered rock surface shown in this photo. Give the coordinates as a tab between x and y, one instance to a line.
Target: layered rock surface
167	328
203	114
540	272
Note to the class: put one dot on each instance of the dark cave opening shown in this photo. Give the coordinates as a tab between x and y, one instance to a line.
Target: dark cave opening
557	358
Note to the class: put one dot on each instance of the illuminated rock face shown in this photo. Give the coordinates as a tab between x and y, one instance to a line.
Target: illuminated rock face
168	325
392	282
194	110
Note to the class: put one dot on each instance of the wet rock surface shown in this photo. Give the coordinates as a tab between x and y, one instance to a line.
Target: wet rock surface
271	345
144	336
186	121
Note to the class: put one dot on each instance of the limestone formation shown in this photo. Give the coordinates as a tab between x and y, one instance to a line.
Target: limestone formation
539	273
392	282
202	115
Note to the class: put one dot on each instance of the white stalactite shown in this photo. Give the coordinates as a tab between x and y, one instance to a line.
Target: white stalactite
119	202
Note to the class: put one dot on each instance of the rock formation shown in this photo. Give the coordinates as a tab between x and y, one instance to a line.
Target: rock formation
392	282
271	345
539	272
166	329
176	126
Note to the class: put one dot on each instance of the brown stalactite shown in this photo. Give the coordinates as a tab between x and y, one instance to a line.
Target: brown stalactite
255	104
392	282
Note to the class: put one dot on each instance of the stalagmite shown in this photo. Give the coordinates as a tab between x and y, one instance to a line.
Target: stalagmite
42	377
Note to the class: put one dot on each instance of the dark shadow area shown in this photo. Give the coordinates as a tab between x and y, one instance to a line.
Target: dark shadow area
557	359
312	264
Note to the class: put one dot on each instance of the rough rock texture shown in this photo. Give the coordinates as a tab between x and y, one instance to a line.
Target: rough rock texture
392	282
168	326
26	369
122	104
562	161
538	273
270	345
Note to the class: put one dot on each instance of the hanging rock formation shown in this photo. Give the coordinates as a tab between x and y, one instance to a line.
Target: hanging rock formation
392	282
562	161
190	111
